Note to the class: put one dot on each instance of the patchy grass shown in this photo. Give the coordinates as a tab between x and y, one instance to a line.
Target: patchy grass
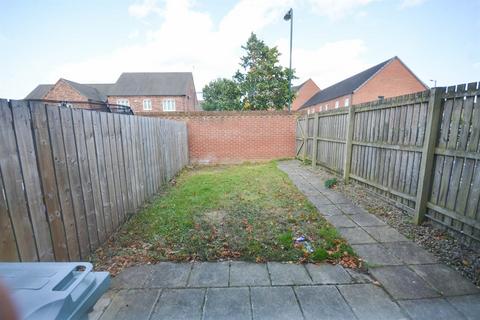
248	212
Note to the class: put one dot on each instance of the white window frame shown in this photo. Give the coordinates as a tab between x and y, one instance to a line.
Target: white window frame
147	104
123	102
169	105
337	104
347	102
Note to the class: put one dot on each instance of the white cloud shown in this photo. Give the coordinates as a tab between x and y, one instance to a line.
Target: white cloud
188	40
476	65
336	9
411	3
143	9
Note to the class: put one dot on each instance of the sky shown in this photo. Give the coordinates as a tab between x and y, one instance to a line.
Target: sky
94	41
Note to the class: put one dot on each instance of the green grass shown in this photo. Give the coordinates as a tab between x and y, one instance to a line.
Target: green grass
248	212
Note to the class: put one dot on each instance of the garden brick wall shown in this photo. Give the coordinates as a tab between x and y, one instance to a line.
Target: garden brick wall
235	137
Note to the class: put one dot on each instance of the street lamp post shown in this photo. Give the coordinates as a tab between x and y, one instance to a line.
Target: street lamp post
289	16
434	82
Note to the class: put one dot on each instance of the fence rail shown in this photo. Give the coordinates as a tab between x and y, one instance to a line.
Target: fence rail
420	151
69	177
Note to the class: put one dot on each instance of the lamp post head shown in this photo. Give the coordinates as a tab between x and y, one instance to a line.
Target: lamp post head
288	15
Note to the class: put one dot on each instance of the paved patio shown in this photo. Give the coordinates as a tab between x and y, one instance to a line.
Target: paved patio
405	281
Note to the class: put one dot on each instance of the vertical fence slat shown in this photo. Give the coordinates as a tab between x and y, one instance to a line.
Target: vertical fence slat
31	180
14	186
8	245
94	176
76	190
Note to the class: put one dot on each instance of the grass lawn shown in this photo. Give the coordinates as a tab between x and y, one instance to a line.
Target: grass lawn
249	212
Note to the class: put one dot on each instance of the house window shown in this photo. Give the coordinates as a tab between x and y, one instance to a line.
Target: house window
326	107
123	102
147	104
336	104
168	105
347	102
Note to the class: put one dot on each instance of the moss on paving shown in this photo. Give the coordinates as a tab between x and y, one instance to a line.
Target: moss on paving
249	212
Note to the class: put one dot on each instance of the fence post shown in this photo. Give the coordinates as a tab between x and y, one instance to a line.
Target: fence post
315	141
348	144
425	175
305	138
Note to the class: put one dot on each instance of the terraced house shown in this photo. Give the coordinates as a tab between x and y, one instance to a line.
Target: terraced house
143	92
387	79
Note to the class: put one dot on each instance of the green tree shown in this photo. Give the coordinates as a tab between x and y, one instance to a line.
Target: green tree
221	95
263	82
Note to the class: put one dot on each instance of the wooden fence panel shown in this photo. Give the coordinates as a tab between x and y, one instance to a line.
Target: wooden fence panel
454	200
388	147
69	177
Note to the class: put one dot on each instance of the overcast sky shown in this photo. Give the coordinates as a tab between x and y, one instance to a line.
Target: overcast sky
94	41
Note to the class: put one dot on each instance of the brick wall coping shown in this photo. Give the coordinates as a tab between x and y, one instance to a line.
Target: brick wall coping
217	114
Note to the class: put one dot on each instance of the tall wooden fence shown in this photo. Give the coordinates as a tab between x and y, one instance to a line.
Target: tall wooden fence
69	178
420	151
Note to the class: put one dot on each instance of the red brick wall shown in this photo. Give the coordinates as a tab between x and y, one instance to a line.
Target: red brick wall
306	92
136	102
393	80
235	137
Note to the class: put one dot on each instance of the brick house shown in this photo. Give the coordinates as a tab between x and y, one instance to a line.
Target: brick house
142	92
303	93
388	79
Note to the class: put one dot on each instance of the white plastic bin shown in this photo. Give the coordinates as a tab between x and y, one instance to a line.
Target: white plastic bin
56	290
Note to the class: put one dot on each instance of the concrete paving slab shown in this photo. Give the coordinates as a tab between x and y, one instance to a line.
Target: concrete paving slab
328	274
329	210
248	274
376	255
131	304
101	305
209	274
179	304
370	302
168	275
227	303
403	283
446	280
288	274
307	189
341	221
336	198
367	220
360	276
356	235
323	302
350	208
410	253
469	306
428	309
385	234
318	200
274	303
133	277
